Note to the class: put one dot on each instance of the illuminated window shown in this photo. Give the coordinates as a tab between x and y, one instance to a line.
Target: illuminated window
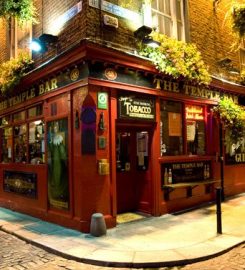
168	17
182	133
20	38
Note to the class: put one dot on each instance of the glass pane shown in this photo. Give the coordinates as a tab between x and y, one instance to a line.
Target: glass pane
36	142
122	151
58	181
20	143
168	26
20	116
178	10
167	9
6	144
35	111
142	141
179	30
195	130
4	121
171	128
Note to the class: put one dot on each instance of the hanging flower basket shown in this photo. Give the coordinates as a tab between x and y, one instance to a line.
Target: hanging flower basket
232	117
177	59
12	71
23	10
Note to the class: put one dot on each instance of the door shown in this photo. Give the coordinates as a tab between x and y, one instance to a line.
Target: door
133	170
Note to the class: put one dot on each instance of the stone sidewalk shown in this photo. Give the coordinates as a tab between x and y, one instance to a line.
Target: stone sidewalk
168	240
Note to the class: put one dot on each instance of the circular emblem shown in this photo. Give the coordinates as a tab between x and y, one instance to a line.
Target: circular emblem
110	74
74	74
102	98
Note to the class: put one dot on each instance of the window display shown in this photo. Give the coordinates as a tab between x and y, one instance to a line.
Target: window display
20	143
36	142
6	142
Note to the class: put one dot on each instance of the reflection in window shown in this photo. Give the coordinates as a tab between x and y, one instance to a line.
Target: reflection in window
171	128
20	143
36	142
6	144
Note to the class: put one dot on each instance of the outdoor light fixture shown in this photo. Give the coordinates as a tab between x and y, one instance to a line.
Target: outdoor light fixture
143	33
41	44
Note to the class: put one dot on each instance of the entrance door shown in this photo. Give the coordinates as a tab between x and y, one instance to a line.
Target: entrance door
133	173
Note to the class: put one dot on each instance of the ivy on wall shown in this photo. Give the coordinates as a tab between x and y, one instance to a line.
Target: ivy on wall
177	58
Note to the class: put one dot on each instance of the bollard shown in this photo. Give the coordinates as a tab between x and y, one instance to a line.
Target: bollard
97	226
218	210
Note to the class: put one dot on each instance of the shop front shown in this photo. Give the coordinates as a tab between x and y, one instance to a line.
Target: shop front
101	131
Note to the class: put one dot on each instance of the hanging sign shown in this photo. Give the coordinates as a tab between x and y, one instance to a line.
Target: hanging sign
137	108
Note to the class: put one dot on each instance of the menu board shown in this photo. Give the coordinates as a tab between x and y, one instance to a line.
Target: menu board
174	124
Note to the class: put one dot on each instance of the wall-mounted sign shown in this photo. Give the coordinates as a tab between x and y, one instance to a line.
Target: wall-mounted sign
174	124
23	183
188	171
234	152
137	108
194	112
102	100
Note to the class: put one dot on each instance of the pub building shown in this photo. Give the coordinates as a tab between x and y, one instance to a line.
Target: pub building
89	134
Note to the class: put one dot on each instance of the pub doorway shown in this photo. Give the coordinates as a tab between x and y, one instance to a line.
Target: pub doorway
133	177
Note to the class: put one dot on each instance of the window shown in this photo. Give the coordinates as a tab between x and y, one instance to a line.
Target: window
36	142
22	139
20	143
168	17
20	38
178	138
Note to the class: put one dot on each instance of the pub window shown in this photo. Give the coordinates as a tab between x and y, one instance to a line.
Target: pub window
36	142
179	139
171	128
6	143
20	143
20	116
168	17
195	130
122	151
242	58
4	121
35	111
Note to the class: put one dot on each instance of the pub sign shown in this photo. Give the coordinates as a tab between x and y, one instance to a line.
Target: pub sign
132	107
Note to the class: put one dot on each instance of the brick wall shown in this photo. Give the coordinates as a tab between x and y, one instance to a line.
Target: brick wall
210	29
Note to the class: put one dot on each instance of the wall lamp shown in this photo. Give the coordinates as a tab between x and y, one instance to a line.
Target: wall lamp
43	42
143	33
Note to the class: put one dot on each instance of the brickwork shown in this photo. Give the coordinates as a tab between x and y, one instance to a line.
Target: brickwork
210	29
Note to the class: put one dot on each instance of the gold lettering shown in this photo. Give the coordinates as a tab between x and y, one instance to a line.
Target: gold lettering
238	157
193	91
200	92
47	87
158	83
41	89
175	87
54	83
167	85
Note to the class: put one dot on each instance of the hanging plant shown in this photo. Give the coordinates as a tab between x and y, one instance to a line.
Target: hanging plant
12	71
177	58
238	19
23	10
232	117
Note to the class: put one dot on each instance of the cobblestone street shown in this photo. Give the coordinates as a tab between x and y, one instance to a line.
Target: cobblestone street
16	254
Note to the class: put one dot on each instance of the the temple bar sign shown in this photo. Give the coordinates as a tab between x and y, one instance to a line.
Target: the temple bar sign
137	108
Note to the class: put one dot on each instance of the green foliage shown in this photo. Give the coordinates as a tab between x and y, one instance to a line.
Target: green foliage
177	58
12	71
23	10
232	116
238	19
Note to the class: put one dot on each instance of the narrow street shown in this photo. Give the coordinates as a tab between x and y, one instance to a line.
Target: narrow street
16	254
